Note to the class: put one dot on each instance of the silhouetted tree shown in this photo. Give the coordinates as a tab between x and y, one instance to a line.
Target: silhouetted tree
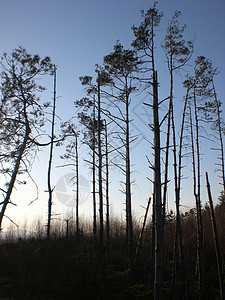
21	113
201	91
216	240
107	193
212	110
87	116
52	136
144	43
178	52
121	66
71	132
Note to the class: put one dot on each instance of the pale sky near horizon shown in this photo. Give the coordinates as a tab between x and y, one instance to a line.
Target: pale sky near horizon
77	35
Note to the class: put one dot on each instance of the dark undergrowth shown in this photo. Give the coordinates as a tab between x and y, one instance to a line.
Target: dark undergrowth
73	270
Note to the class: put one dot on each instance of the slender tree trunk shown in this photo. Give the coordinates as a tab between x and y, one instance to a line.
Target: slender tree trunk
199	244
93	184
179	228
50	189
199	206
175	258
216	240
142	230
50	163
152	263
100	170
158	201
177	178
107	197
101	220
128	189
166	164
181	142
198	162
166	180
77	191
157	171
178	243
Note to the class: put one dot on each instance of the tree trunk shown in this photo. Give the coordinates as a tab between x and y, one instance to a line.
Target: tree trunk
158	201
216	240
198	211
199	206
179	228
100	170
142	230
50	163
152	264
107	197
93	184
18	160
128	189
50	190
77	191
14	175
101	220
178	242
166	163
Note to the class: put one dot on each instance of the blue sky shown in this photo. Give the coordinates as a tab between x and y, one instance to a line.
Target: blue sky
76	35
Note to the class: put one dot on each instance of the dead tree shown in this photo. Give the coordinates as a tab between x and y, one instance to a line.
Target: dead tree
198	211
87	116
200	91
101	219
93	177
178	52
50	190
107	194
71	133
178	241
77	188
120	67
216	240
142	230
158	198
144	44
100	189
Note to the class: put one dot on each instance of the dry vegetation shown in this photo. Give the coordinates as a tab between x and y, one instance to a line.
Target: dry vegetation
75	270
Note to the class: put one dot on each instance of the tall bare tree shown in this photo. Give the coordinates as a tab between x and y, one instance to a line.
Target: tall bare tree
121	65
178	52
144	44
107	193
70	131
201	91
87	117
216	240
52	136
